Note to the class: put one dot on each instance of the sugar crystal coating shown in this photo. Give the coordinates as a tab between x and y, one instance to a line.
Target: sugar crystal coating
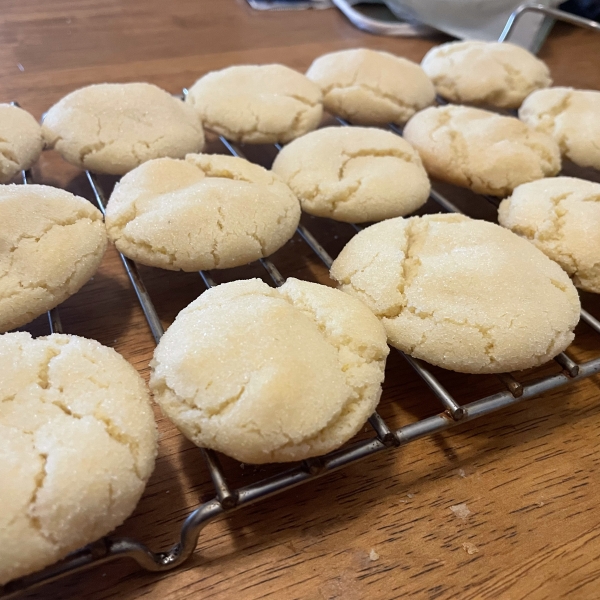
257	104
265	374
77	445
486	73
571	117
204	212
561	216
462	294
21	141
369	87
354	174
114	127
481	150
51	243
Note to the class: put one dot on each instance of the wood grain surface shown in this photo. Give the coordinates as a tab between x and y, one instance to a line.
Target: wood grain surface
503	507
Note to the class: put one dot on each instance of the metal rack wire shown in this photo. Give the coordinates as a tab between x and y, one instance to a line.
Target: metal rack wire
227	499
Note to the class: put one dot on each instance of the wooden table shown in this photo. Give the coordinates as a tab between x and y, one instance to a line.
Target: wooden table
383	528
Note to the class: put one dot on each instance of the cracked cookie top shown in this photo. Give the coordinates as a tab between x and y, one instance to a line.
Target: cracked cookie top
77	445
21	141
51	243
205	212
270	375
571	117
354	174
369	87
561	216
114	127
481	150
462	294
257	104
486	73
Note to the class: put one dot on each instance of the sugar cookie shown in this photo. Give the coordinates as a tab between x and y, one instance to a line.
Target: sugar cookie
205	212
114	127
561	216
77	445
487	73
354	174
51	243
462	294
270	375
257	104
571	117
481	150
369	87
20	141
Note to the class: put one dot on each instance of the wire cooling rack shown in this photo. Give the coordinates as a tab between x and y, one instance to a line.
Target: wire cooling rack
227	499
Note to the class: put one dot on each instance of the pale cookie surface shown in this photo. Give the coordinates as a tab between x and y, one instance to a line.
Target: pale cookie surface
270	375
21	141
114	127
51	243
571	117
257	104
487	73
461	294
368	87
354	174
481	150
77	445
561	216
205	212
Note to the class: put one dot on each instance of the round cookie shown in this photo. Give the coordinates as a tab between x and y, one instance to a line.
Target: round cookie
77	445
462	294
51	243
481	150
561	216
257	104
270	375
354	174
205	212
571	117
488	73
21	141
369	87
114	127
